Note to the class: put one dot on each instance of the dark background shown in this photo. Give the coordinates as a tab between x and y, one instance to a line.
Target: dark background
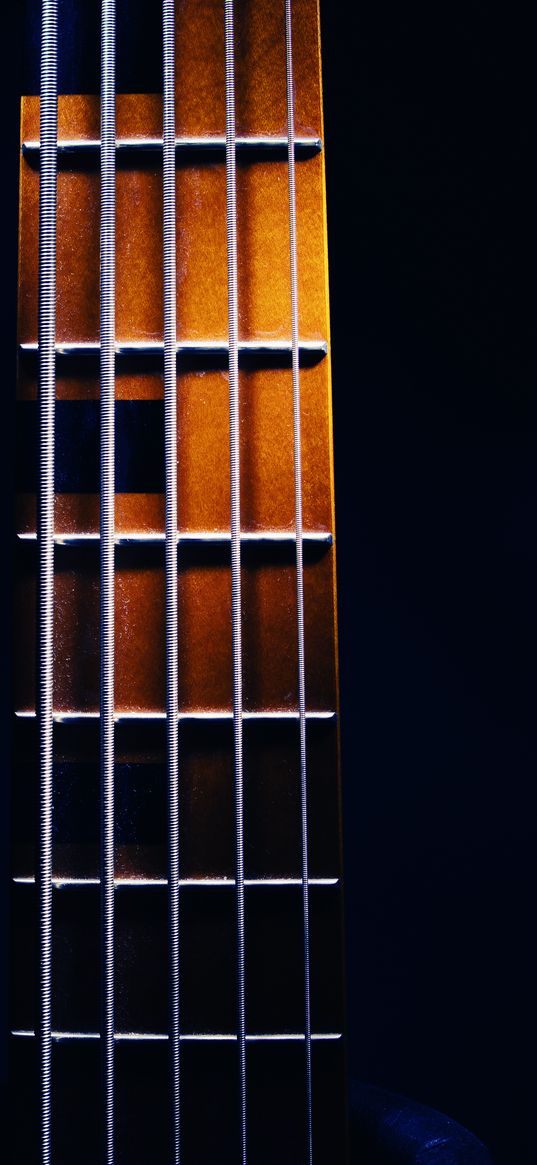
427	143
430	242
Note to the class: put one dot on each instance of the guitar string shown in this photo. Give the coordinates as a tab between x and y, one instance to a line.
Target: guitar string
107	513
297	459
45	543
170	447
236	614
107	421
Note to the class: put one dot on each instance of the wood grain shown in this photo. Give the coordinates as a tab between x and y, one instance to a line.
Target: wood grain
272	809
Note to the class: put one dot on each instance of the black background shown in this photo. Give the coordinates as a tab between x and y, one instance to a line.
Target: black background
430	242
427	145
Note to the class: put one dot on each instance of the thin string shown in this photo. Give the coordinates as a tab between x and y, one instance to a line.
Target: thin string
170	451
297	457
236	623
108	233
45	541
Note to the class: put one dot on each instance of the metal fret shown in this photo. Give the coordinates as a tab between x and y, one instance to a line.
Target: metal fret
194	347
45	540
124	717
272	144
194	1037
195	537
211	883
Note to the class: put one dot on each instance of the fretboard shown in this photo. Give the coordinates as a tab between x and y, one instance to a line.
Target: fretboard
177	990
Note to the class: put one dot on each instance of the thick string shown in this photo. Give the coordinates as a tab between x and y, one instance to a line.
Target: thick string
45	541
236	617
108	273
297	457
170	452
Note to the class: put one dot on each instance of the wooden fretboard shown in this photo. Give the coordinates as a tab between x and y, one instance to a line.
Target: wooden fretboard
212	1126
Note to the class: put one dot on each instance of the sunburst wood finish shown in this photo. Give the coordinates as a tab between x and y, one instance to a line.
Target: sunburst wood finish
274	973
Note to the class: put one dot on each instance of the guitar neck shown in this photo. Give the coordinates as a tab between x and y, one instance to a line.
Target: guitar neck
182	909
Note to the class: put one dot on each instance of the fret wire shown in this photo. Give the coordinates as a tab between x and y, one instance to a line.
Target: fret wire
61	882
124	717
236	615
272	143
170	445
187	1037
193	537
45	539
261	347
297	458
107	337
